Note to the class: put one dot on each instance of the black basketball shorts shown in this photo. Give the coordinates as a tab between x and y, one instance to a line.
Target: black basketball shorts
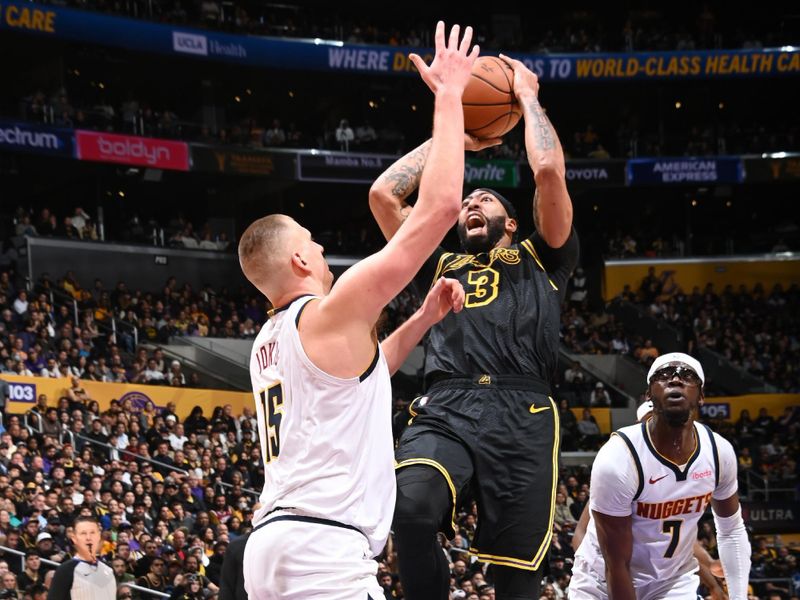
495	440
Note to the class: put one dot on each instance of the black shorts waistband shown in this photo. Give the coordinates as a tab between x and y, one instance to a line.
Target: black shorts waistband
305	519
486	380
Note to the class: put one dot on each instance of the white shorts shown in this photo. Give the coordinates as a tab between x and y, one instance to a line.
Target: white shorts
296	560
587	584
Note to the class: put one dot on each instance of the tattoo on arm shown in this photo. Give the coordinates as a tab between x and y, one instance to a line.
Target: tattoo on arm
542	129
406	174
405	180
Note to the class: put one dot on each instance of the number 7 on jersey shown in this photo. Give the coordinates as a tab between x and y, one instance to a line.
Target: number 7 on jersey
272	404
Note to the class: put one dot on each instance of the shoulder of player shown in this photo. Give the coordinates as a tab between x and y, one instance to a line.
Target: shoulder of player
632	432
328	334
724	447
612	452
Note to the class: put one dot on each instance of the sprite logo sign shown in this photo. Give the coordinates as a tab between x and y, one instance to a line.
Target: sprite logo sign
490	173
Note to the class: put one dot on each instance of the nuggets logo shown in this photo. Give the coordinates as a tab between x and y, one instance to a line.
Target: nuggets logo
138	399
662	510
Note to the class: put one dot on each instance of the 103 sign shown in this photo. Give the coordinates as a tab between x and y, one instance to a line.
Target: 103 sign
21	392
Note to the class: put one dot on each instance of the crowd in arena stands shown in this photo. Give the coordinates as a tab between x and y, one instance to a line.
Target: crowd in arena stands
166	524
77	226
40	337
166	530
653	243
255	130
571	30
177	232
754	329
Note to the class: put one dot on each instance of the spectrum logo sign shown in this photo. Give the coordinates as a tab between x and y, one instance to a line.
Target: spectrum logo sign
131	150
31	138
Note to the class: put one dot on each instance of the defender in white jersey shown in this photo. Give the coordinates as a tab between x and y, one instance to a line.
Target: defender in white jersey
651	483
321	382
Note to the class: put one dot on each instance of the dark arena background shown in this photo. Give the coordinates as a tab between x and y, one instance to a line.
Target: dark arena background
138	138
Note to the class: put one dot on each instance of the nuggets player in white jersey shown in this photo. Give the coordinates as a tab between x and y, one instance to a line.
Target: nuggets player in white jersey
651	483
321	382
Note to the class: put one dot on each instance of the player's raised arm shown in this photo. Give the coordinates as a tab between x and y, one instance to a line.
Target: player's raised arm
389	193
365	289
552	206
445	295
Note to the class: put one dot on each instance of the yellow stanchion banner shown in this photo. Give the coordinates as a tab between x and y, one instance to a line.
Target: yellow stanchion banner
729	408
600	414
23	392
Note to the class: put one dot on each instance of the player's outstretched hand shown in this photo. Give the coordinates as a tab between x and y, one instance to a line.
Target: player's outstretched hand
452	64
473	144
525	80
445	295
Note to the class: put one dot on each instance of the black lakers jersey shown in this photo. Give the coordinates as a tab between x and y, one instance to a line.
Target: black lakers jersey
511	317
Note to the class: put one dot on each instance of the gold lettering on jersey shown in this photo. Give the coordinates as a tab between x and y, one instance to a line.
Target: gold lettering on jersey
267	356
669	508
509	256
484	287
485	380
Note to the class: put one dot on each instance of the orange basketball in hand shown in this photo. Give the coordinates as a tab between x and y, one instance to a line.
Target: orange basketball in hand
490	108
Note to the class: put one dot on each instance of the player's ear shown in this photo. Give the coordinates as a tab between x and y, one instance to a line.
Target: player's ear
511	225
299	263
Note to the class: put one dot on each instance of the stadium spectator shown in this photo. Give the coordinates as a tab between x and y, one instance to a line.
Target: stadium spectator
344	135
589	431
599	396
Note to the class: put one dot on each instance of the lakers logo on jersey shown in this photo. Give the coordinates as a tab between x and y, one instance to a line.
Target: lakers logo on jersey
509	256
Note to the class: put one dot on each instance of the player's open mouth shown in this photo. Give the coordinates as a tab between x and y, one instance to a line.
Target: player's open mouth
674	395
475	221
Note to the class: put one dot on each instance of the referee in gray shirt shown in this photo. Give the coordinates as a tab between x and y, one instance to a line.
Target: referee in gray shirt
84	577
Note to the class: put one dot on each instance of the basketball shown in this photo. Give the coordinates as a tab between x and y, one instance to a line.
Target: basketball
490	107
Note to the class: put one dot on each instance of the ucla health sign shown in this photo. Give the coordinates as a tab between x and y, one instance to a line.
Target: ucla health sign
685	170
26	137
324	55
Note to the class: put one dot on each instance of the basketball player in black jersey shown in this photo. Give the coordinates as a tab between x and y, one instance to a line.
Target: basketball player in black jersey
487	427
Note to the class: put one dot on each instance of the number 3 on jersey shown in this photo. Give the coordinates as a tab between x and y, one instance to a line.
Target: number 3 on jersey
484	288
272	403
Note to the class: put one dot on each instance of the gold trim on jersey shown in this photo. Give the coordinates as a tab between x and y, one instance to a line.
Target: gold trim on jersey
528	245
691	455
541	551
439	467
439	267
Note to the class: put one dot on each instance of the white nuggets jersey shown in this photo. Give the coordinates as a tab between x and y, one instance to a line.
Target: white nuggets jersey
665	500
326	441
